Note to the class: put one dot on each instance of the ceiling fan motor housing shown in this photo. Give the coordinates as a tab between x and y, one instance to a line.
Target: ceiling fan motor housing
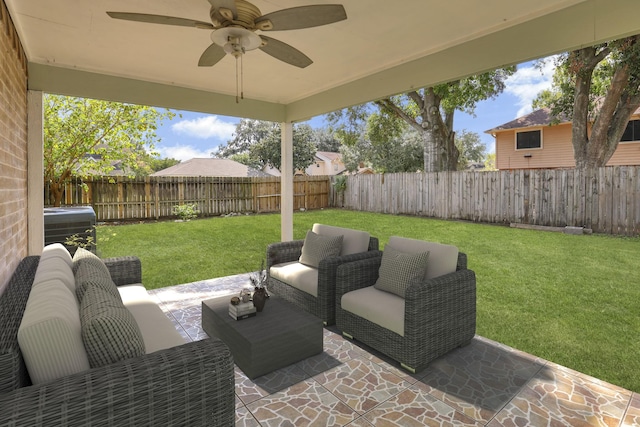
246	14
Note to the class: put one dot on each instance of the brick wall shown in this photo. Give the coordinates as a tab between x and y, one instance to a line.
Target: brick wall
13	149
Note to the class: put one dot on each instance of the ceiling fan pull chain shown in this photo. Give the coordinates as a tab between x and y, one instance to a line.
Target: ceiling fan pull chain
237	98
241	77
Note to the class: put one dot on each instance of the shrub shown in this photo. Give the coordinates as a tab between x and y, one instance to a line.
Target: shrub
186	212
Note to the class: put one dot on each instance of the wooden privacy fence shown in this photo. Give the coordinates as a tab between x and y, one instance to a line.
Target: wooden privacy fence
606	200
121	198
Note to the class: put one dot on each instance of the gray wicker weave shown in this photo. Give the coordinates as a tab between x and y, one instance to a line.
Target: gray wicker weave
324	305
188	385
440	314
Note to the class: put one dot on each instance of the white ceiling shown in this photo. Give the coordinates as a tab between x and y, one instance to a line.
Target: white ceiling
383	48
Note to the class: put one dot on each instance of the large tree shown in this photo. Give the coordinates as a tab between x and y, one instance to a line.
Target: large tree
430	111
394	146
325	140
257	143
88	137
471	148
599	88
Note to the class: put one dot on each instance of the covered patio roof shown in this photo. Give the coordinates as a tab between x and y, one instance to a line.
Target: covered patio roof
382	48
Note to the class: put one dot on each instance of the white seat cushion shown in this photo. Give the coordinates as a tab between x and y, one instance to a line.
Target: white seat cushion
157	329
298	275
382	308
443	259
49	335
354	241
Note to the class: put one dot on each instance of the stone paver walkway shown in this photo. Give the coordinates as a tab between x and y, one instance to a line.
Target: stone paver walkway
483	384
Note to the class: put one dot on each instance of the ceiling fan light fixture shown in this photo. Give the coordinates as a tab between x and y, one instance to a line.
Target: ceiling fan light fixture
233	47
247	39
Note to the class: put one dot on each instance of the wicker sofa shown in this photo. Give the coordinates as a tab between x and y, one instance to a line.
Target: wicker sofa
436	314
187	384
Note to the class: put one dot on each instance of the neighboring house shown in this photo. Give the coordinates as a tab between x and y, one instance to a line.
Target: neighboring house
117	170
324	163
210	167
531	142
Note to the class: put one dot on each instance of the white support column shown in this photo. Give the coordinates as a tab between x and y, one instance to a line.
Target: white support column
35	172
286	182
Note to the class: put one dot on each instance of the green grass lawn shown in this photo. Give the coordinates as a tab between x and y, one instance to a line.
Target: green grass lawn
573	300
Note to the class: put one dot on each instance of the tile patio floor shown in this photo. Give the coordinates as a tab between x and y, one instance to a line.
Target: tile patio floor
483	384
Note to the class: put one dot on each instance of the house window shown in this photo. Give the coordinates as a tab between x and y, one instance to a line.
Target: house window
529	139
632	131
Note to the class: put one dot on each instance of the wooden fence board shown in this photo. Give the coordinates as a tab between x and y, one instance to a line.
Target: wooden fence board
606	200
121	198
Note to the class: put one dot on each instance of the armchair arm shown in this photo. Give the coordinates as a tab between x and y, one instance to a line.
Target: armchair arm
124	270
441	306
192	384
357	274
374	243
328	267
280	252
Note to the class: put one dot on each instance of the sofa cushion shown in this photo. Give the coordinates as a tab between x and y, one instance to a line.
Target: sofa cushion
49	334
443	259
54	268
398	269
92	273
57	250
82	255
354	241
157	330
109	331
317	247
382	308
298	275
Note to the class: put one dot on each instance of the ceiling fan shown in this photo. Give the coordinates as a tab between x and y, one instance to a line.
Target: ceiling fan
235	22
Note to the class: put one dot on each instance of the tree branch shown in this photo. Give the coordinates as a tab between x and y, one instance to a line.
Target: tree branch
391	106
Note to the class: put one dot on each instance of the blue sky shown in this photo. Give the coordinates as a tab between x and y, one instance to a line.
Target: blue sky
198	134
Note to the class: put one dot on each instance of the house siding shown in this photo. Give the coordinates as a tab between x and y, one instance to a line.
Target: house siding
627	154
556	151
13	149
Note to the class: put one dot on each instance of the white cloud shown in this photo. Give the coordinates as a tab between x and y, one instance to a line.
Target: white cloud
184	152
527	82
204	128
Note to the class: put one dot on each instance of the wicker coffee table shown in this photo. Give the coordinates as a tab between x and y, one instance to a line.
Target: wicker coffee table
279	336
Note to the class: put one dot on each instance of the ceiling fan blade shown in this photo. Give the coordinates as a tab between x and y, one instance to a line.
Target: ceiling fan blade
227	4
211	56
160	19
297	18
285	53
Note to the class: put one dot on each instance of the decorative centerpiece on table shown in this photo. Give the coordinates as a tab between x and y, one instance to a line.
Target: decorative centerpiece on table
259	283
241	306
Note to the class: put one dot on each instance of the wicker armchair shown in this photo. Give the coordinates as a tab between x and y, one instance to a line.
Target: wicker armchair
439	313
322	306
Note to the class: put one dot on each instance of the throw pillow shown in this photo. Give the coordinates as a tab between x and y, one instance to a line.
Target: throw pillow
49	334
90	273
82	255
109	331
316	248
398	269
